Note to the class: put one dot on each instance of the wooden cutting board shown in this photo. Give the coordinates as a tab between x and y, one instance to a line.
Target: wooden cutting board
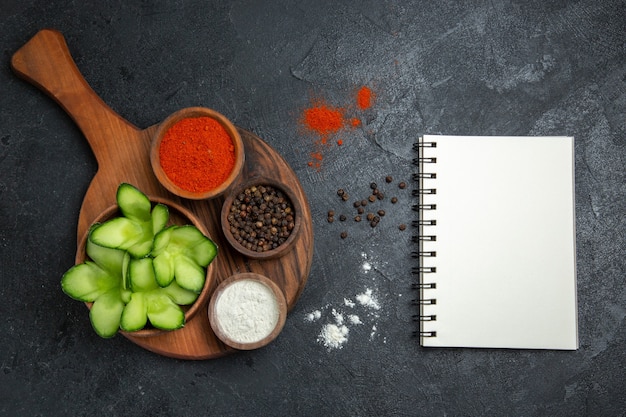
123	155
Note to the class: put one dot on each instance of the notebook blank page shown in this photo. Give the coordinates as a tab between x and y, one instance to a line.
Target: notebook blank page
506	263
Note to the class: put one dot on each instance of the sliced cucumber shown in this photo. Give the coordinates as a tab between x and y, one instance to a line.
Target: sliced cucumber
162	240
106	312
135	314
108	259
179	295
164	313
133	204
164	269
117	233
160	217
138	268
88	281
203	252
188	274
141	275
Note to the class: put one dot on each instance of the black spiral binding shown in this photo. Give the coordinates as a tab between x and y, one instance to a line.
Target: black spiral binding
421	224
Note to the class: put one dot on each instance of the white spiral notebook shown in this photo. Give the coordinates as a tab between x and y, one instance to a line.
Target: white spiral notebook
497	246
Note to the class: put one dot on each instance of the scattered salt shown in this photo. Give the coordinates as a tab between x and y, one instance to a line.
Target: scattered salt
315	315
333	336
348	302
354	319
368	300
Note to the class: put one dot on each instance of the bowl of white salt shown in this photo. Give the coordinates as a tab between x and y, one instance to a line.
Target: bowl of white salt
247	311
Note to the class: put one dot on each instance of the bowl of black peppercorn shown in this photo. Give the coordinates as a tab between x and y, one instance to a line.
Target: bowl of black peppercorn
261	218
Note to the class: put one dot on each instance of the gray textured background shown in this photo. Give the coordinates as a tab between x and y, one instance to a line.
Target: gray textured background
506	68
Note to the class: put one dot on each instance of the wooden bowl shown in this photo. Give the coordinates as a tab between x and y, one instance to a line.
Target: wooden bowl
194	112
226	294
179	215
283	248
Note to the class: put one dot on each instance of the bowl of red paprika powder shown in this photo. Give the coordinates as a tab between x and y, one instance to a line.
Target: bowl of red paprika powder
197	153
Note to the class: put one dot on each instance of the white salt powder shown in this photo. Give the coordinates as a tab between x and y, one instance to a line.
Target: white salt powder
368	300
348	302
247	311
315	315
333	336
354	319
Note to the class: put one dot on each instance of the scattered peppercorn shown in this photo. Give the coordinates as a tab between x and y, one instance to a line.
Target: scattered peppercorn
373	218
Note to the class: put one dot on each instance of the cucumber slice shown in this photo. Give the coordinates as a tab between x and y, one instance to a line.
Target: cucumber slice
203	252
188	274
106	312
117	233
108	259
164	313
186	236
160	217
133	204
180	295
87	281
162	241
135	314
164	269
141	249
141	275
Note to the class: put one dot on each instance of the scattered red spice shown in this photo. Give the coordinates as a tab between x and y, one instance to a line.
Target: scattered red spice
197	154
364	98
325	120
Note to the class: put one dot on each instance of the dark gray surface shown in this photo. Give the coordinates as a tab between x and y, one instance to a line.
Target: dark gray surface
506	68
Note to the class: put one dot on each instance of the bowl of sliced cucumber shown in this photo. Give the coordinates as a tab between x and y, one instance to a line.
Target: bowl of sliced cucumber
144	267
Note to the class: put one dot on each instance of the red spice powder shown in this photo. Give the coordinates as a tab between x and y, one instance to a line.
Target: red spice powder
197	154
324	119
364	98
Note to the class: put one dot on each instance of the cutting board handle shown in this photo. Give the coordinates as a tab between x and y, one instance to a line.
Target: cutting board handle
45	61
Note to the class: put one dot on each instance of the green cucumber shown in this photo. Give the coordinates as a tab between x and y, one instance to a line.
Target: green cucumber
188	274
117	233
133	204
106	313
162	240
164	269
135	314
141	275
139	269
160	217
111	260
179	295
88	281
164	313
